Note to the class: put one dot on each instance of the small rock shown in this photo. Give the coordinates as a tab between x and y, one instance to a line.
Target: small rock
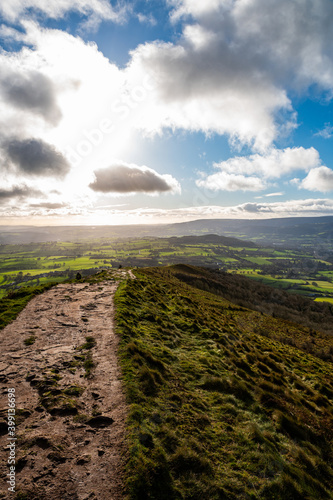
56	457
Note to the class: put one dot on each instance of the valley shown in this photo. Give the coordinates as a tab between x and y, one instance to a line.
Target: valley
306	271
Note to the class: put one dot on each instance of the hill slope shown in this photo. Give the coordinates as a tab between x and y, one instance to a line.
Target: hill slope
218	409
263	298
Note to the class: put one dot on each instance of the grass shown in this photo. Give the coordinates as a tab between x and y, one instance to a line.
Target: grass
324	299
85	359
224	402
30	340
15	302
218	410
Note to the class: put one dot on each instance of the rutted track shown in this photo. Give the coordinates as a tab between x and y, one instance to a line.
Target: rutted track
70	426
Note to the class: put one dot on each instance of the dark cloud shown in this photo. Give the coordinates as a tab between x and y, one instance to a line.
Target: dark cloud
18	192
34	92
49	206
35	157
126	179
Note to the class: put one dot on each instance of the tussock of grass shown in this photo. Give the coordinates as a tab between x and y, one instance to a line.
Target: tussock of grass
216	409
30	340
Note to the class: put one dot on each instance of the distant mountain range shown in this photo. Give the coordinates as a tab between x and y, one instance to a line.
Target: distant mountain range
291	232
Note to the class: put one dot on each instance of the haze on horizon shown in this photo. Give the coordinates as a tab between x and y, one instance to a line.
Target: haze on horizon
139	112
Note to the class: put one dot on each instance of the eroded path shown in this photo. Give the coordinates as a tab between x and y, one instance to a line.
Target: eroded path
70	414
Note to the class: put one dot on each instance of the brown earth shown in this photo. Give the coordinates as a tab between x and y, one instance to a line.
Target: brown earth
70	423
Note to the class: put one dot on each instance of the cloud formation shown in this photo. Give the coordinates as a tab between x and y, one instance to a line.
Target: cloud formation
31	91
236	64
125	179
233	70
326	132
21	192
14	10
48	205
252	173
224	181
35	157
318	179
291	208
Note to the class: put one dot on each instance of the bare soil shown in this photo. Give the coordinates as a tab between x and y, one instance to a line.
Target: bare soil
70	416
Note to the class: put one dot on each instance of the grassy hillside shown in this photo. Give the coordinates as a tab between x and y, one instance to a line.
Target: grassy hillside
219	407
263	298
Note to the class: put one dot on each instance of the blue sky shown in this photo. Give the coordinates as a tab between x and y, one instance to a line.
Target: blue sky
163	111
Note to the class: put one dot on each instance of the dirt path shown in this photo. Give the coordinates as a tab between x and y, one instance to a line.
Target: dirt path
70	424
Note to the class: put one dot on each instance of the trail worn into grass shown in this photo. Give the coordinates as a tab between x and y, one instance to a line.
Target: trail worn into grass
60	356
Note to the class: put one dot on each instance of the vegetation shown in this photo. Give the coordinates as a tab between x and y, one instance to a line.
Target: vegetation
226	402
15	302
278	303
306	271
219	409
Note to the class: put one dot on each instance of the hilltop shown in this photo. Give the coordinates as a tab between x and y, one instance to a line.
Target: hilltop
224	402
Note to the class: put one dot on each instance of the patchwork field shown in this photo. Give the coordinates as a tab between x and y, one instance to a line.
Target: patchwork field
307	273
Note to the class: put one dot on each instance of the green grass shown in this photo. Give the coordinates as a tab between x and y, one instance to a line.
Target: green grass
69	257
217	409
30	340
12	304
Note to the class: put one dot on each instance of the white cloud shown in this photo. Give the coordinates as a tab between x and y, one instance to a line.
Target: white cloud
184	8
252	172
224	181
147	19
15	10
269	195
318	179
236	64
202	86
326	132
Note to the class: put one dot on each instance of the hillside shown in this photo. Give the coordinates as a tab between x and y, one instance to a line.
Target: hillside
223	402
263	298
218	409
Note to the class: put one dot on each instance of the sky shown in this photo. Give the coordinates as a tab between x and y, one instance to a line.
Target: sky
159	111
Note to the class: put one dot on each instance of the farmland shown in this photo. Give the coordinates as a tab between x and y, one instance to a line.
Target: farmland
304	271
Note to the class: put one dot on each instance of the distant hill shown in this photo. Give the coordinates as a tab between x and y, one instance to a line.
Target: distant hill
292	231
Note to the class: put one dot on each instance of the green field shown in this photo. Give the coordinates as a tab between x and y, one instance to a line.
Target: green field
292	270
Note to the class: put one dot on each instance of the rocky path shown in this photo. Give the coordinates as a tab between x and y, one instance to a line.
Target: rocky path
60	356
